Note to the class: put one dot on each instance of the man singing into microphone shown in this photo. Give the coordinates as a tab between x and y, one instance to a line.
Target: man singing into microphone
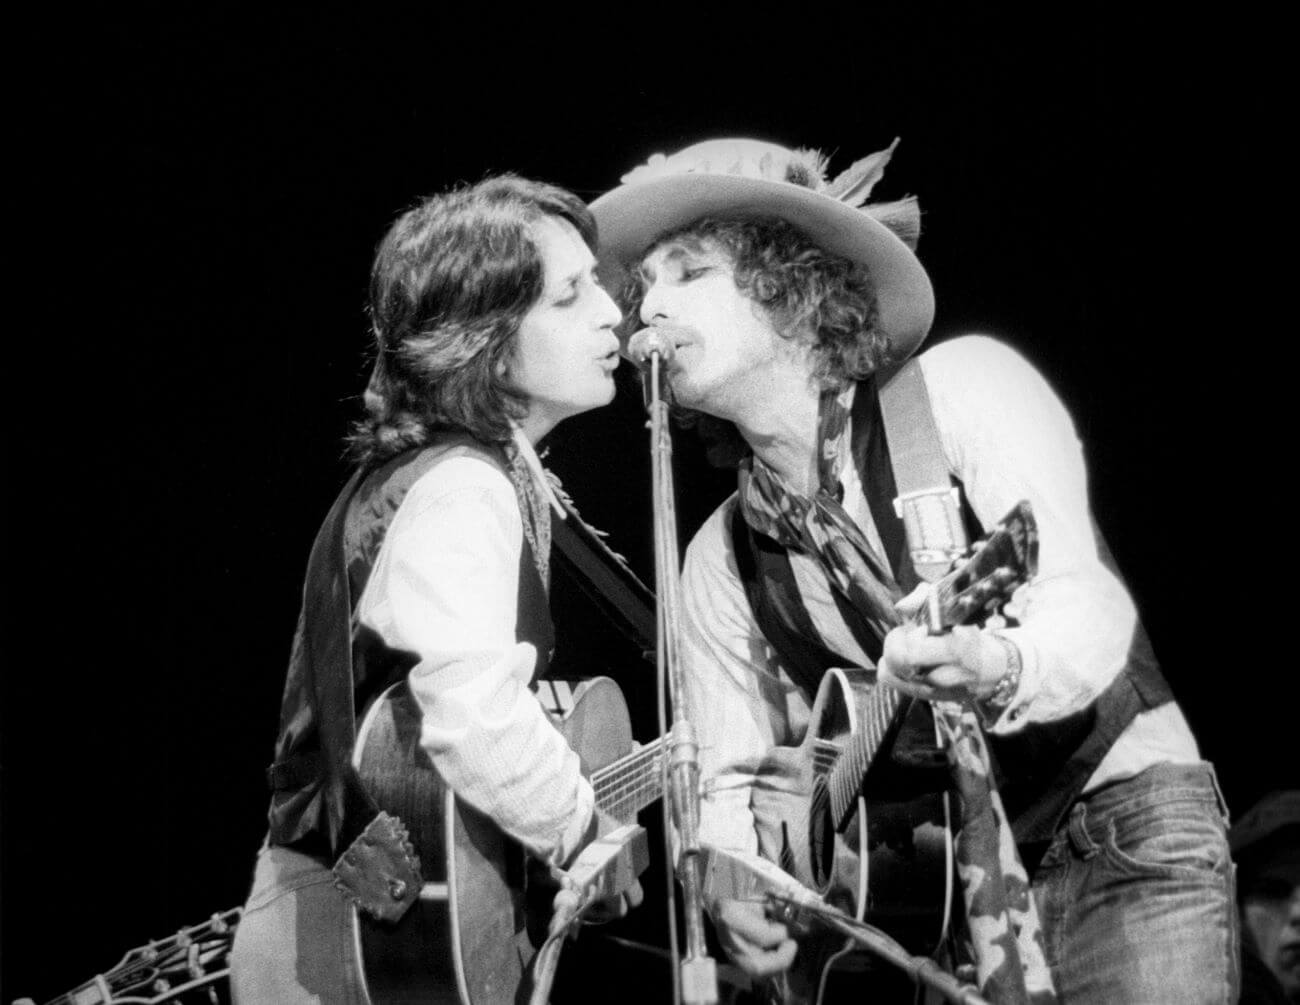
788	303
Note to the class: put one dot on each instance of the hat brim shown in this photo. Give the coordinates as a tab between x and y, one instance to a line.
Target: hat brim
631	217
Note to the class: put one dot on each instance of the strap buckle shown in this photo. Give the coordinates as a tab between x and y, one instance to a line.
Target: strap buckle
932	521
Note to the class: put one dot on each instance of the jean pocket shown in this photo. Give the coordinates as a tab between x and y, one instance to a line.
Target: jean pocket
1187	843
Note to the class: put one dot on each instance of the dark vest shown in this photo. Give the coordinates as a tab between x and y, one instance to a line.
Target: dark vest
1041	768
337	666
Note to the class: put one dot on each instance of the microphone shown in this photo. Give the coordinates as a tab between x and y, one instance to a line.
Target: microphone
648	341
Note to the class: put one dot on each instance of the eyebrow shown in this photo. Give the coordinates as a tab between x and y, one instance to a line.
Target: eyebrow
674	253
575	277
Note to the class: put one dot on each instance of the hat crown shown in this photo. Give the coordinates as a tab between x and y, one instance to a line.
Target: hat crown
735	177
739	158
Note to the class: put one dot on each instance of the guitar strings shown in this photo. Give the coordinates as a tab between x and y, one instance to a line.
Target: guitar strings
631	782
162	957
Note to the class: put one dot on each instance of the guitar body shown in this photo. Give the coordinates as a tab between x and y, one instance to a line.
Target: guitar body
859	812
891	865
482	914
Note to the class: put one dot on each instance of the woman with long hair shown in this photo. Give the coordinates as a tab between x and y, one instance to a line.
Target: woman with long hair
428	582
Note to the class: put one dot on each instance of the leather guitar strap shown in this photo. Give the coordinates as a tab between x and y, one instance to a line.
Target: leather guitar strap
606	580
927	500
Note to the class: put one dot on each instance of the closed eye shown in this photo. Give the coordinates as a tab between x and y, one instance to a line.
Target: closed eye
574	289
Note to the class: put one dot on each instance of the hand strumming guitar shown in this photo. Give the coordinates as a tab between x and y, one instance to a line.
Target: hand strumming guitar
759	946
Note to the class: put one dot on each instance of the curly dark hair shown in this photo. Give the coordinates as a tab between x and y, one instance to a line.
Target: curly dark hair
807	294
450	285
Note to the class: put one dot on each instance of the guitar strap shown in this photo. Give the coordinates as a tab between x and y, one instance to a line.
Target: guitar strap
604	577
927	500
995	885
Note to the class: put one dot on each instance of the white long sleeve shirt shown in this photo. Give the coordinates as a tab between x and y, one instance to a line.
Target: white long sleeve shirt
445	586
1007	436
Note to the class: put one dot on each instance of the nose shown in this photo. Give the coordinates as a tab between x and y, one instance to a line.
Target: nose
607	312
653	304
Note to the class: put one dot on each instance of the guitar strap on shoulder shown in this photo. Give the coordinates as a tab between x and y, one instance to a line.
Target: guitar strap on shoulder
1010	968
605	578
927	500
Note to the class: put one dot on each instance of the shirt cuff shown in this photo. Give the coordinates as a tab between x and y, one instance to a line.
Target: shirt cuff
582	829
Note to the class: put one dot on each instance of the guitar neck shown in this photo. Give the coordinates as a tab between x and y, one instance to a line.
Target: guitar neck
631	783
878	716
1008	558
851	767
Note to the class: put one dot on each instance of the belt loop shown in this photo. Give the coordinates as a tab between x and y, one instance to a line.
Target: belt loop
1082	842
1218	793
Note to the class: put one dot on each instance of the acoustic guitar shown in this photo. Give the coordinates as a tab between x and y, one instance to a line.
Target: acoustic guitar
482	913
865	822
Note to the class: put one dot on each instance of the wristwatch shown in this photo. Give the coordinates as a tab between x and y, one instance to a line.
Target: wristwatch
995	702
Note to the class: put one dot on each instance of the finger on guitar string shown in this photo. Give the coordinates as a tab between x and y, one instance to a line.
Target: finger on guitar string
914	602
962	665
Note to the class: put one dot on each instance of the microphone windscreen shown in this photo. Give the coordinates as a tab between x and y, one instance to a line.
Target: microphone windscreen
647	341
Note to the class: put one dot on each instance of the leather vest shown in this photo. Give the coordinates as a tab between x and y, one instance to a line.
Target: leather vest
338	666
1040	769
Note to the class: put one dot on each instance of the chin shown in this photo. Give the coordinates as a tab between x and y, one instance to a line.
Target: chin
689	395
598	398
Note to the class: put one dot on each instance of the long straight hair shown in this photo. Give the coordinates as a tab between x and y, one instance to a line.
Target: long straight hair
451	283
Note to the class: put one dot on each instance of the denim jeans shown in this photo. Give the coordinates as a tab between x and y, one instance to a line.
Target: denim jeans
295	944
1136	893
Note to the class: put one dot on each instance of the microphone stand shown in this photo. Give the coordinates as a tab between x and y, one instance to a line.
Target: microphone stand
696	980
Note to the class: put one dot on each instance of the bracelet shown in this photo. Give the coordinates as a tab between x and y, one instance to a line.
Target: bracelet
1005	689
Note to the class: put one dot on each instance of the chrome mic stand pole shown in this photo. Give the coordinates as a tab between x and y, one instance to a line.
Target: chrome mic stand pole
699	980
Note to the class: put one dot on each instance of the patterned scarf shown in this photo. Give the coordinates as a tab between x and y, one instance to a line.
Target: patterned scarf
534	510
1002	919
819	526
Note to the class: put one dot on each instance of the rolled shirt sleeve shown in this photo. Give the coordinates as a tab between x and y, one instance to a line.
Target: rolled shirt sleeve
1008	437
445	587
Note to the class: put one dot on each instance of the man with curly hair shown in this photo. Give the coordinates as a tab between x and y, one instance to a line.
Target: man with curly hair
791	305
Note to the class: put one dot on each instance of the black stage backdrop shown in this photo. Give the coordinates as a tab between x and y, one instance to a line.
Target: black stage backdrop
221	182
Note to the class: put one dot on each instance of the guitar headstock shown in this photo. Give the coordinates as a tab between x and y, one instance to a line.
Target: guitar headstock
1004	561
185	967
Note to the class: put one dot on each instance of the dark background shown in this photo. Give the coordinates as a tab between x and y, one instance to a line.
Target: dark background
216	187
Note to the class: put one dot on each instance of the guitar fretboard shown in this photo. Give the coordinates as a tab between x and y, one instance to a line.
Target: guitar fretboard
846	776
631	783
1007	559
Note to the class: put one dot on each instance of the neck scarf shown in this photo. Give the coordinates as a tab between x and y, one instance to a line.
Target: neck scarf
819	526
536	498
1002	919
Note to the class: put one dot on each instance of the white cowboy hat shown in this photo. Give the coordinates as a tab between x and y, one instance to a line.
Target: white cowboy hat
744	177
